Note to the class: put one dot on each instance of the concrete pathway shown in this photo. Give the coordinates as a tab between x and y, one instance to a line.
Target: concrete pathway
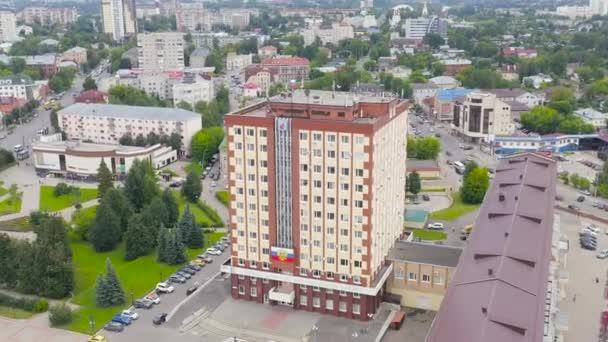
68	213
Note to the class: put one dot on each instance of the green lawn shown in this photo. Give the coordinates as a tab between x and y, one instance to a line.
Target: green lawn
3	190
433	190
49	202
9	206
14	312
194	166
224	197
84	215
457	209
206	216
140	276
430	234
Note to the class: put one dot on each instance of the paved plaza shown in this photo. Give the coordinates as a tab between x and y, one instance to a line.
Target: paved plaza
12	330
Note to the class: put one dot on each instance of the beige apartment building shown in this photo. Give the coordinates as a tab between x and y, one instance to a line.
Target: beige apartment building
481	117
238	62
316	183
106	124
49	15
421	273
161	51
76	54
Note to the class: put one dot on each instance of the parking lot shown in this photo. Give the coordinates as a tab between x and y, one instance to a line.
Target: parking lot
143	329
584	298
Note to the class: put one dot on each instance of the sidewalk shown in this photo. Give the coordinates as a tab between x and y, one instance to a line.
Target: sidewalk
68	213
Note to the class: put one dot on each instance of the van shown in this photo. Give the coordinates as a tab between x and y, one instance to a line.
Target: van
459	167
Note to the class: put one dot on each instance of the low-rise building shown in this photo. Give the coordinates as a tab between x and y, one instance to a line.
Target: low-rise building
287	68
592	116
92	96
267	51
456	65
421	273
251	90
24	30
445	82
421	91
481	117
424	168
387	62
76	54
537	81
238	62
106	124
554	143
17	86
509	72
401	72
192	90
76	158
520	52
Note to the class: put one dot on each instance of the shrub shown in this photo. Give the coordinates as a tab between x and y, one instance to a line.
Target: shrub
60	314
41	305
61	189
35	305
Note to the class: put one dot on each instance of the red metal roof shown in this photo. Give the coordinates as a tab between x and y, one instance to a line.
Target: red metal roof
285	61
499	288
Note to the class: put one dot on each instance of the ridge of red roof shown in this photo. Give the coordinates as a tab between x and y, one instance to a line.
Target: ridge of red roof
285	61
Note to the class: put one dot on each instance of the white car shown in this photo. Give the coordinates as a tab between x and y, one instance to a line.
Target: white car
213	251
593	228
602	254
152	296
130	313
436	225
164	287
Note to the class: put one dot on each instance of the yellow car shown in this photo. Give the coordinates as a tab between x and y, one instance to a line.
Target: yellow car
98	338
198	262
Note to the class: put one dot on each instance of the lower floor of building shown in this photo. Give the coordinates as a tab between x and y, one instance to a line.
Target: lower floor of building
308	298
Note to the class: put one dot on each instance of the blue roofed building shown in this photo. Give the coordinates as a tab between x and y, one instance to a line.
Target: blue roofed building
443	109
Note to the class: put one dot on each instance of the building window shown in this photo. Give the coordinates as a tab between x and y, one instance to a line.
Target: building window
426	278
316	288
329	275
331	154
253	264
343	232
317	137
316	302
356	279
254	292
329	304
356	295
344	277
343	293
342	306
331	138
303	272
241	290
330	260
358	234
343	262
356	309
344	139
303	136
241	262
265	265
357	264
237	131
330	230
316	273
437	278
345	171
412	276
343	247
263	133
250	132
358	204
303	300
331	200
399	272
359	188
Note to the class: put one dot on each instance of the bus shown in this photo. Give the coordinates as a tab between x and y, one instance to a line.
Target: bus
459	167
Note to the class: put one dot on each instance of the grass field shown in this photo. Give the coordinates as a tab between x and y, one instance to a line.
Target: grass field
430	234
14	313
139	276
11	206
21	224
457	209
433	190
49	202
84	215
206	216
3	190
194	166
224	197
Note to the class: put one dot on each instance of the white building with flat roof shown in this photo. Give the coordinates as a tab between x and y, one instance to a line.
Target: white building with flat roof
106	123
193	91
592	116
83	159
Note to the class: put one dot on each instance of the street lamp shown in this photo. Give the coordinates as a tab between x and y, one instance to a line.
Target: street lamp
132	297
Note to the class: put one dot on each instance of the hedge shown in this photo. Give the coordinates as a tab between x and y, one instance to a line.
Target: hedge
34	304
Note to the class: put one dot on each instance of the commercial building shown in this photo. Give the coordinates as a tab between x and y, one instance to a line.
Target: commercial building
75	158
49	15
504	288
119	18
8	26
421	273
417	28
236	62
481	117
189	16
554	143
17	86
316	185
76	54
160	51
106	124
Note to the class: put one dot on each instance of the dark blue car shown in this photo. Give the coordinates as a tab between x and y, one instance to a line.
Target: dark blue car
122	319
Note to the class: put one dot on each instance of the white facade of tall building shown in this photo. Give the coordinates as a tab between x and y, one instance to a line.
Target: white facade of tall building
8	26
417	28
106	124
190	16
333	34
160	51
119	18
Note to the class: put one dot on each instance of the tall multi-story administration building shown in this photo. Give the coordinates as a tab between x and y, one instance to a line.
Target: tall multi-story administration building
160	51
119	18
317	197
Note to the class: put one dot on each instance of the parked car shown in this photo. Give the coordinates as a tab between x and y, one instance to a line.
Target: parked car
154	297
131	314
602	254
113	326
184	274
468	148
175	184
195	268
426	197
589	247
176	278
143	303
219	246
580	199
164	287
198	262
187	270
586	192
122	319
160	319
205	258
97	338
225	239
593	228
572	207
449	162
435	225
213	251
191	290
